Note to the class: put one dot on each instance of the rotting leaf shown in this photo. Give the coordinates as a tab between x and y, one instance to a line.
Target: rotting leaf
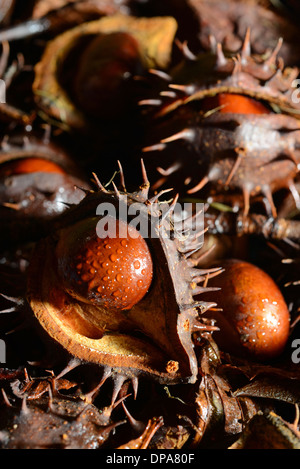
268	432
272	387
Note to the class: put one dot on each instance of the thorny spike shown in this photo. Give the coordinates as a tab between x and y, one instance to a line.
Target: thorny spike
185	134
6	400
202	305
159	73
25	29
13	299
183	47
237	64
122	178
67	204
199	186
195	261
8	310
171	170
188	252
99	185
246	49
47	134
189	221
272	59
159	183
295	195
199	290
270	202
213	43
117	385
50	401
90	396
212	270
117	193
168	94
197	235
156	147
204	327
137	425
221	59
85	191
24	407
144	174
171	208
135	385
246	194
234	169
4	143
4	57
145	187
157	196
289	155
150	102
12	205
73	363
187	89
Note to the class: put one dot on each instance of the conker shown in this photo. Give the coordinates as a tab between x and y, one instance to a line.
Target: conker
235	104
254	321
100	84
30	165
114	271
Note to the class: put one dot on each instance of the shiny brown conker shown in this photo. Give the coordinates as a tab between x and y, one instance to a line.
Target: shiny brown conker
112	271
254	321
235	104
100	84
30	165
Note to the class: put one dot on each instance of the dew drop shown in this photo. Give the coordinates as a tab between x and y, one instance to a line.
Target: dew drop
136	264
85	277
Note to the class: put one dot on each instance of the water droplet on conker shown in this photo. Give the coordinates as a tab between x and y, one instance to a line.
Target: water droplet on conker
96	286
254	321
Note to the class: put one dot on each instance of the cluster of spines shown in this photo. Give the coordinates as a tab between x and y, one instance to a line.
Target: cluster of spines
271	80
188	246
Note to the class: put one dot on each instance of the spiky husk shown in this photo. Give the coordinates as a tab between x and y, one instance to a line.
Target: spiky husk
195	148
154	337
29	202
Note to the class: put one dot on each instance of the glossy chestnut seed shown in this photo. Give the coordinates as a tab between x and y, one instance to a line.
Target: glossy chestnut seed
100	83
255	318
113	271
234	104
30	165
